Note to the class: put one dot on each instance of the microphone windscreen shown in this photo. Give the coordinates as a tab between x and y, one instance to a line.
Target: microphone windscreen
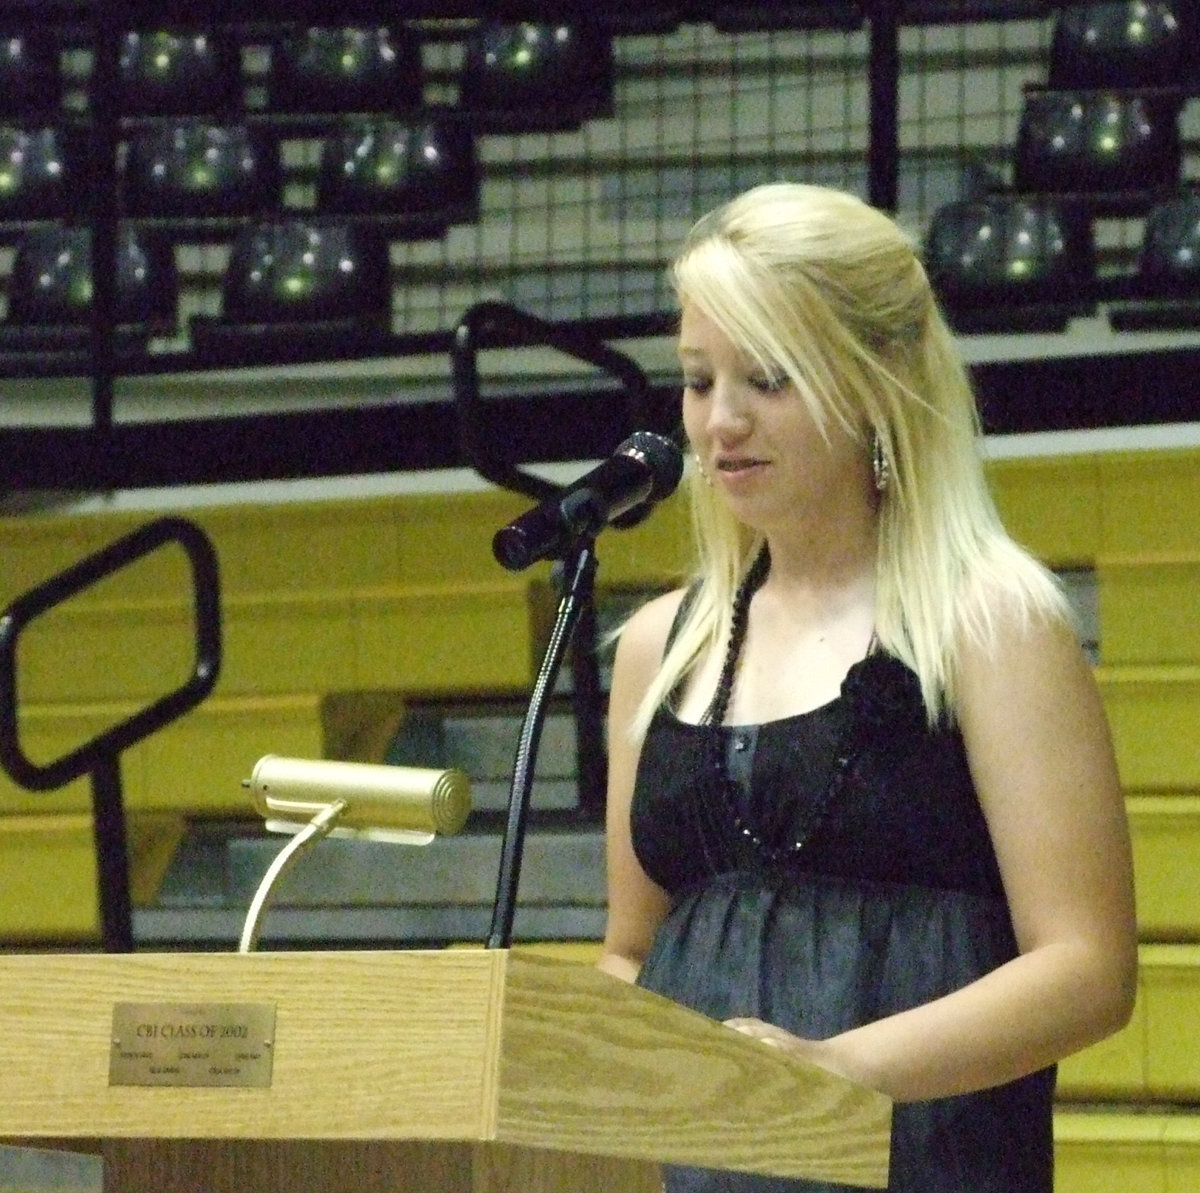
661	456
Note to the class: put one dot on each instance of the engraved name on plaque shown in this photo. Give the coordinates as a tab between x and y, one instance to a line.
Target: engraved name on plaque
192	1044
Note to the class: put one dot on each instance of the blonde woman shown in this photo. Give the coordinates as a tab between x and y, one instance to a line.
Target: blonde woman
863	803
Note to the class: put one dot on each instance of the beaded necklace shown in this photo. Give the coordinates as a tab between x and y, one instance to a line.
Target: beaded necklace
727	789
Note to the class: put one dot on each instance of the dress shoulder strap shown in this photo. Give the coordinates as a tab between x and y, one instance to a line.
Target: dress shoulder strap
689	599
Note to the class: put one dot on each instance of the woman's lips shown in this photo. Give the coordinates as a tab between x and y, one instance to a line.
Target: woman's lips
740	464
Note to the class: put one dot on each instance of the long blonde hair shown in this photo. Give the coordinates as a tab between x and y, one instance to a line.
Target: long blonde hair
818	284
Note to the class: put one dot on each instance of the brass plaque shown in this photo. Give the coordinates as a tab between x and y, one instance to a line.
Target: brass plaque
223	1043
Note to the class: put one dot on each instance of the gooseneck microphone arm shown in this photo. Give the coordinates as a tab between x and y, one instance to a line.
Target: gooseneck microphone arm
578	577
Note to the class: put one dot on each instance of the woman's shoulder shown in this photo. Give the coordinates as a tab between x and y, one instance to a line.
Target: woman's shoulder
1010	599
641	644
1022	639
645	634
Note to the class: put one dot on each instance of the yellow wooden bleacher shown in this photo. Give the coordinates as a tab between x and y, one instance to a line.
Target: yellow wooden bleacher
1126	1121
324	605
400	596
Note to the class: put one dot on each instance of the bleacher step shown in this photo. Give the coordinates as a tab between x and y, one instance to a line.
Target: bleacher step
359	891
1119	1150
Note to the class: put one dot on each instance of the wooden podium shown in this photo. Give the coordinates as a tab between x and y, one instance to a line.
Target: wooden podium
458	1071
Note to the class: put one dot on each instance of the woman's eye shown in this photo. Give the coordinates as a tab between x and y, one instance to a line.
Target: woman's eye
697	385
770	384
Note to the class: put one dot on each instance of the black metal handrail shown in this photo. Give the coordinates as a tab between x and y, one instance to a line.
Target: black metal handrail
500	325
100	757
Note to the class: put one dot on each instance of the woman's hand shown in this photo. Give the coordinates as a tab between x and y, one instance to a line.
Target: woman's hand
817	1052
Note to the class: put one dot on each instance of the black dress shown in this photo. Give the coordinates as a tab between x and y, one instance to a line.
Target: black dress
893	900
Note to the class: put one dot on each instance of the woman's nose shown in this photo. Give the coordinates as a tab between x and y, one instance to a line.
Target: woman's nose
727	410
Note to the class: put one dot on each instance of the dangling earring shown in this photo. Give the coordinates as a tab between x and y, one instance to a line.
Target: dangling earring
881	469
700	469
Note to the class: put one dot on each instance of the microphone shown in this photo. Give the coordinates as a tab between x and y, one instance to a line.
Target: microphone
622	490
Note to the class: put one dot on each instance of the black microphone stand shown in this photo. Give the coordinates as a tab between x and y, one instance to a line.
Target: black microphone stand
578	573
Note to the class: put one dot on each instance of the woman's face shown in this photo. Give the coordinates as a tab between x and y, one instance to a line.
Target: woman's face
755	437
